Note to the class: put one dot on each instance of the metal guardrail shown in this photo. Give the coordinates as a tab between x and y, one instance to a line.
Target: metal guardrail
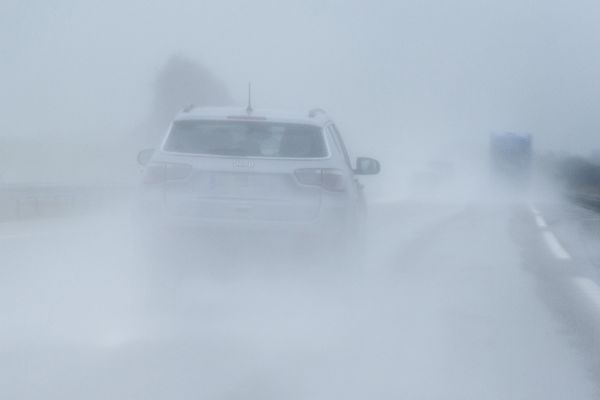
589	227
589	237
586	200
41	200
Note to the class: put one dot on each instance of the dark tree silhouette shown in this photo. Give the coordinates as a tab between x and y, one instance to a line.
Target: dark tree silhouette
180	82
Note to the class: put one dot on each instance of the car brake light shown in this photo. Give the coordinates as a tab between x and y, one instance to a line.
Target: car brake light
246	118
328	178
160	173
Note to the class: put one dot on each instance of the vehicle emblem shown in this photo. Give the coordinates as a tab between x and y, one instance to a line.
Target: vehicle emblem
243	163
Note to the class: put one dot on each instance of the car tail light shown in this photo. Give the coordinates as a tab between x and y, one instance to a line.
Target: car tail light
328	178
160	173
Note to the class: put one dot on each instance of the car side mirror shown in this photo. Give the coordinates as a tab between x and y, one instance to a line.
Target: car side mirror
367	166
144	156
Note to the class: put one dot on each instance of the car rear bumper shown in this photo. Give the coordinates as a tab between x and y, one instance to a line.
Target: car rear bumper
330	221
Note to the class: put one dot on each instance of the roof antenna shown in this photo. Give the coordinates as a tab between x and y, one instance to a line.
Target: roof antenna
249	109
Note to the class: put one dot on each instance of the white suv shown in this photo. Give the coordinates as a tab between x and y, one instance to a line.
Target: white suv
254	169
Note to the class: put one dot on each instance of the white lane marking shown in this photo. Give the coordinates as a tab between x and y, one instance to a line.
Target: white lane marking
539	220
534	210
554	245
590	290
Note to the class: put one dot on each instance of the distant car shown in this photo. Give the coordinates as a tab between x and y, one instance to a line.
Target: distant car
230	168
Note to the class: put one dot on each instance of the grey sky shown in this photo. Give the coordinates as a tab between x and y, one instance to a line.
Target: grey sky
422	70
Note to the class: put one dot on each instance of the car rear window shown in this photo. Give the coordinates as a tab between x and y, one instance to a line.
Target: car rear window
246	139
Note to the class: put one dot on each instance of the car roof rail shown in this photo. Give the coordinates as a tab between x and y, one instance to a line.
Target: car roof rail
316	111
188	108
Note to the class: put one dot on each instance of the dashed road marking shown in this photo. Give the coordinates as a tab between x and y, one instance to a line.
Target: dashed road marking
539	220
590	290
587	287
554	245
534	210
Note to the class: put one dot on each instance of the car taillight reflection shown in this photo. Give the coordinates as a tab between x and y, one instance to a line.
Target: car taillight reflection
328	178
160	173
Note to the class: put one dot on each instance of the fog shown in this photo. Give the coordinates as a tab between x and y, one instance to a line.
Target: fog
413	74
475	275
